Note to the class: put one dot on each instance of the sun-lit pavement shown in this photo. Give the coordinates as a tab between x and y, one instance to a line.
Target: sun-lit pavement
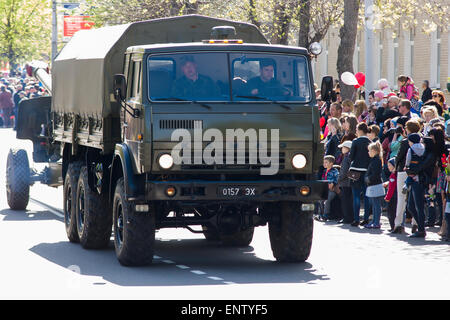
37	261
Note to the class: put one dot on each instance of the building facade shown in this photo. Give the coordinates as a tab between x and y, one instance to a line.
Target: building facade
409	52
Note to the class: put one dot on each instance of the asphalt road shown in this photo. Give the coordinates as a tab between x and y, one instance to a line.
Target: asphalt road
38	262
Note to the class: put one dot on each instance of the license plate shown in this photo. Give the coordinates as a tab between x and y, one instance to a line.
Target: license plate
237	191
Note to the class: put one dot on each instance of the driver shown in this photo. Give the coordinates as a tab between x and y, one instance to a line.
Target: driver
265	84
192	84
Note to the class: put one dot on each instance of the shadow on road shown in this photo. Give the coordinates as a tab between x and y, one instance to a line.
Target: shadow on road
27	215
240	266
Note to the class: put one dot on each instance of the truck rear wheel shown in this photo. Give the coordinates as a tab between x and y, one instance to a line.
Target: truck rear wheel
241	238
291	235
94	223
134	232
70	196
17	179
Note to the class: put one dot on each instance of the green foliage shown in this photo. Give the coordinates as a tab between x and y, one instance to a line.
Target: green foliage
24	35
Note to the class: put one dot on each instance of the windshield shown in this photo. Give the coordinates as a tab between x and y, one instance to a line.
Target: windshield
228	77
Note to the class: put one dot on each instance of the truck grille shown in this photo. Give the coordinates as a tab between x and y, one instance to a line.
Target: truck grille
180	124
234	166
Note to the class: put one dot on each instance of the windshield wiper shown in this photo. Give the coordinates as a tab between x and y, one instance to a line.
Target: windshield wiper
266	99
185	100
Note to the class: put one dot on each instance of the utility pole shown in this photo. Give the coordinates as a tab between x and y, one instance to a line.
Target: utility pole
369	38
54	30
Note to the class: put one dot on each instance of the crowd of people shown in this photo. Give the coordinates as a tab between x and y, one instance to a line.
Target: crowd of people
14	89
392	155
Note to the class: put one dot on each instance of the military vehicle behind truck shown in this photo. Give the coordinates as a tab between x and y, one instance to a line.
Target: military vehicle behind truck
124	101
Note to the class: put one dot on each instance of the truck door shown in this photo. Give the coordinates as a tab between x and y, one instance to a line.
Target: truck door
132	126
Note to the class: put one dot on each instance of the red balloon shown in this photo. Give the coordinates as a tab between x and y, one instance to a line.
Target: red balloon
361	77
357	86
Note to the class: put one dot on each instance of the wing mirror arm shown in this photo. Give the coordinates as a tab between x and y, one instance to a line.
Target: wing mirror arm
120	89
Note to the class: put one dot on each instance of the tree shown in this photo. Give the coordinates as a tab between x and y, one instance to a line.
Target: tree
346	48
23	36
314	19
428	15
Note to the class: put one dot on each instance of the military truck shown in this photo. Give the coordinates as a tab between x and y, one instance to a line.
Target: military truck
121	98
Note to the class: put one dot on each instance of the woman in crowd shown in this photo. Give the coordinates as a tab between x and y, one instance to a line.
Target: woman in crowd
360	110
347	106
439	97
359	158
349	126
436	173
334	137
429	113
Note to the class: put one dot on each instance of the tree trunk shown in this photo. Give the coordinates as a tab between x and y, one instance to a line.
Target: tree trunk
304	17
281	23
346	48
252	13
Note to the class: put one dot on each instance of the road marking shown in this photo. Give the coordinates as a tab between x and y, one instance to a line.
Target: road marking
156	257
182	266
56	212
198	272
168	261
215	278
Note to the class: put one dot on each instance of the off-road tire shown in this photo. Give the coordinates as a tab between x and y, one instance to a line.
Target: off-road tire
94	219
291	236
70	200
134	232
241	238
17	179
211	233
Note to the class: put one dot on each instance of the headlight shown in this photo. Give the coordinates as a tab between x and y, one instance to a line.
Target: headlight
299	161
315	48
165	161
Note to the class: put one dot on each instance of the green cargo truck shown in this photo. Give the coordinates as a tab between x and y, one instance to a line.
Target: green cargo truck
165	124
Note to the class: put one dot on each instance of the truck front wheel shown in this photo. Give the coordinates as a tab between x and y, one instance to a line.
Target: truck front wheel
134	232
17	179
94	222
291	234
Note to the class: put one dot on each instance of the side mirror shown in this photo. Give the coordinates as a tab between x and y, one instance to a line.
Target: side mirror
120	87
326	90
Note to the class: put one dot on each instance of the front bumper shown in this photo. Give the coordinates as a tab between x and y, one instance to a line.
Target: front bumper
258	191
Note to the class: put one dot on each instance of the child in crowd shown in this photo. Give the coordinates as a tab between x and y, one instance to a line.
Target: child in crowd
391	196
413	158
374	131
331	174
375	190
379	98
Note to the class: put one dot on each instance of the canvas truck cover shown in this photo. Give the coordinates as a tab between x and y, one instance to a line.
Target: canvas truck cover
82	73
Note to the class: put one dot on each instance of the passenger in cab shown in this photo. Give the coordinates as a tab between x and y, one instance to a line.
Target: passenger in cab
193	85
265	85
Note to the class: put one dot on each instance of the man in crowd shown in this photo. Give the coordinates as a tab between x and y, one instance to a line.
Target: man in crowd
6	104
335	110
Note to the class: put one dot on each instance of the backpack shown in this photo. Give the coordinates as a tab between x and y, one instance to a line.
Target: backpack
415	98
